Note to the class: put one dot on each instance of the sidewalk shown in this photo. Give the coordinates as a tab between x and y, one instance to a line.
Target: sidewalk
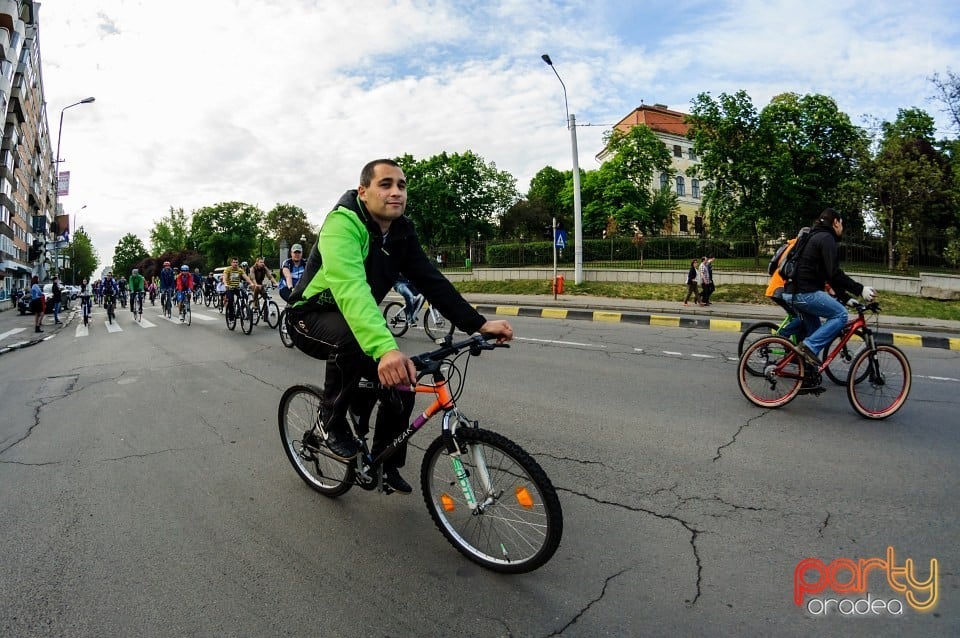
17	331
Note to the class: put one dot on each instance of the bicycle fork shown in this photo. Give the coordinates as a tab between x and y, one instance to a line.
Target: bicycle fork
461	473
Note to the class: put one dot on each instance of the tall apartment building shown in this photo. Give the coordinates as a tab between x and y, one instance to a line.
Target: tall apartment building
27	171
669	126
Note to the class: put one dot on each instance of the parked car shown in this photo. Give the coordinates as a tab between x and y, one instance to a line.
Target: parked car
23	303
73	290
64	297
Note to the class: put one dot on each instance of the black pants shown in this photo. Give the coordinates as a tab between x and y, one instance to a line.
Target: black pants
326	336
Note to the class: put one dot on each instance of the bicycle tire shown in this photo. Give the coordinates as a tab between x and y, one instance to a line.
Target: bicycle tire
246	321
839	368
396	318
436	325
297	416
254	312
207	300
765	379
879	382
231	315
754	332
189	315
285	338
272	316
520	526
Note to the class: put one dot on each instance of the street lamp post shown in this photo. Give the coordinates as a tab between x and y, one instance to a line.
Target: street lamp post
577	213
57	160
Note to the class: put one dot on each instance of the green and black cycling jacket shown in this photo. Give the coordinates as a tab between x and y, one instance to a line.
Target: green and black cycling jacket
354	265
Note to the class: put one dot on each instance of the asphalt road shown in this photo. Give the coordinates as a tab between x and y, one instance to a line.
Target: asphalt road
146	493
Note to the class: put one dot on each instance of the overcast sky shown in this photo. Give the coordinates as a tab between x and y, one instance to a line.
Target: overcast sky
270	101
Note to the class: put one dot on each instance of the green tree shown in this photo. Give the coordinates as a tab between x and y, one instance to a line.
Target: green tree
129	251
546	188
528	219
813	160
83	256
226	229
171	232
453	198
286	222
725	134
912	186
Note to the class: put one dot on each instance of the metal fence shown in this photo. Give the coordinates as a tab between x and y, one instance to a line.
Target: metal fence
671	252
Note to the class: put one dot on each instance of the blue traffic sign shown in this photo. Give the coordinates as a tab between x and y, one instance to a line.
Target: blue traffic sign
560	240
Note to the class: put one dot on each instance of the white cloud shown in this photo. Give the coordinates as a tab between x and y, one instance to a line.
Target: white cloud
267	102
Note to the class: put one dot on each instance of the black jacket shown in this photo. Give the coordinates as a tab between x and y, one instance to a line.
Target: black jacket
400	252
819	264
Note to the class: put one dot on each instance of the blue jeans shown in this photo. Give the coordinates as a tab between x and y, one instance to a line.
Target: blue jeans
409	297
812	306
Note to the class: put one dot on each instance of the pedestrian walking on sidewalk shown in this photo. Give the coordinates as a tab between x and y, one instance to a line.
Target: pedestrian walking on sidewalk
706	280
692	284
37	303
56	300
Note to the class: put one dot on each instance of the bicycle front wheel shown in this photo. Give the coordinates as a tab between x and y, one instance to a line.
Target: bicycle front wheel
879	381
272	313
770	373
284	331
839	368
517	522
298	414
436	325
754	332
231	314
254	311
246	320
396	318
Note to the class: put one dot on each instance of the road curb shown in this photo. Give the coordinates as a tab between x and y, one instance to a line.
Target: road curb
46	336
902	339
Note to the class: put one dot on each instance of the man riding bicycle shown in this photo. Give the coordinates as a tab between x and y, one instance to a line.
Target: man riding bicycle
137	289
167	277
231	278
818	265
259	272
184	286
364	243
291	271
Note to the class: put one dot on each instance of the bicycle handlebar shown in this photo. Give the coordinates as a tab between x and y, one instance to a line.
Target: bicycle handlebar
476	344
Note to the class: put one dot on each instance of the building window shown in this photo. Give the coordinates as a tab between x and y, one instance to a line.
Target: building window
684	224
664	181
691	155
677	151
698	225
695	188
681	188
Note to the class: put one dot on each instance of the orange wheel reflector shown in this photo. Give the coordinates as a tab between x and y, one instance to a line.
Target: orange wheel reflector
523	497
447	502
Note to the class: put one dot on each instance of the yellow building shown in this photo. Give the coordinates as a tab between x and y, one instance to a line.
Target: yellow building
671	128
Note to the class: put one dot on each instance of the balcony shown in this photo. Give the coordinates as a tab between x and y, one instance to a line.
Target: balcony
9	13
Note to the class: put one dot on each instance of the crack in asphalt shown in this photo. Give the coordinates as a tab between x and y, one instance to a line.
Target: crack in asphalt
737	433
580	461
144	455
253	376
823	525
42	402
603	591
694	532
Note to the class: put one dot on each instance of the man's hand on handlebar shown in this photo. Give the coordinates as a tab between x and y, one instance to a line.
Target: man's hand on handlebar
498	327
396	368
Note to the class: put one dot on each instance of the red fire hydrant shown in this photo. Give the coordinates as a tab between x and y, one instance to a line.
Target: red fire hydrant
558	285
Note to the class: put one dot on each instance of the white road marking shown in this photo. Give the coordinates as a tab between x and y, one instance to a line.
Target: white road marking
703	356
112	327
920	376
561	343
82	331
10	333
674	354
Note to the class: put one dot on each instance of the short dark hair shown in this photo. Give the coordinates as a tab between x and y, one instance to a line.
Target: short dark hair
366	175
828	216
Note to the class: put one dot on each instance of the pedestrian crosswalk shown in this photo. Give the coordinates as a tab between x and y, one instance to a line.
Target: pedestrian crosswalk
124	321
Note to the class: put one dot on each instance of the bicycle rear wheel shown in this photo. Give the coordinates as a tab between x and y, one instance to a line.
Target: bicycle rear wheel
754	332
518	523
436	325
207	300
770	372
284	332
839	368
298	414
396	318
879	382
246	320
